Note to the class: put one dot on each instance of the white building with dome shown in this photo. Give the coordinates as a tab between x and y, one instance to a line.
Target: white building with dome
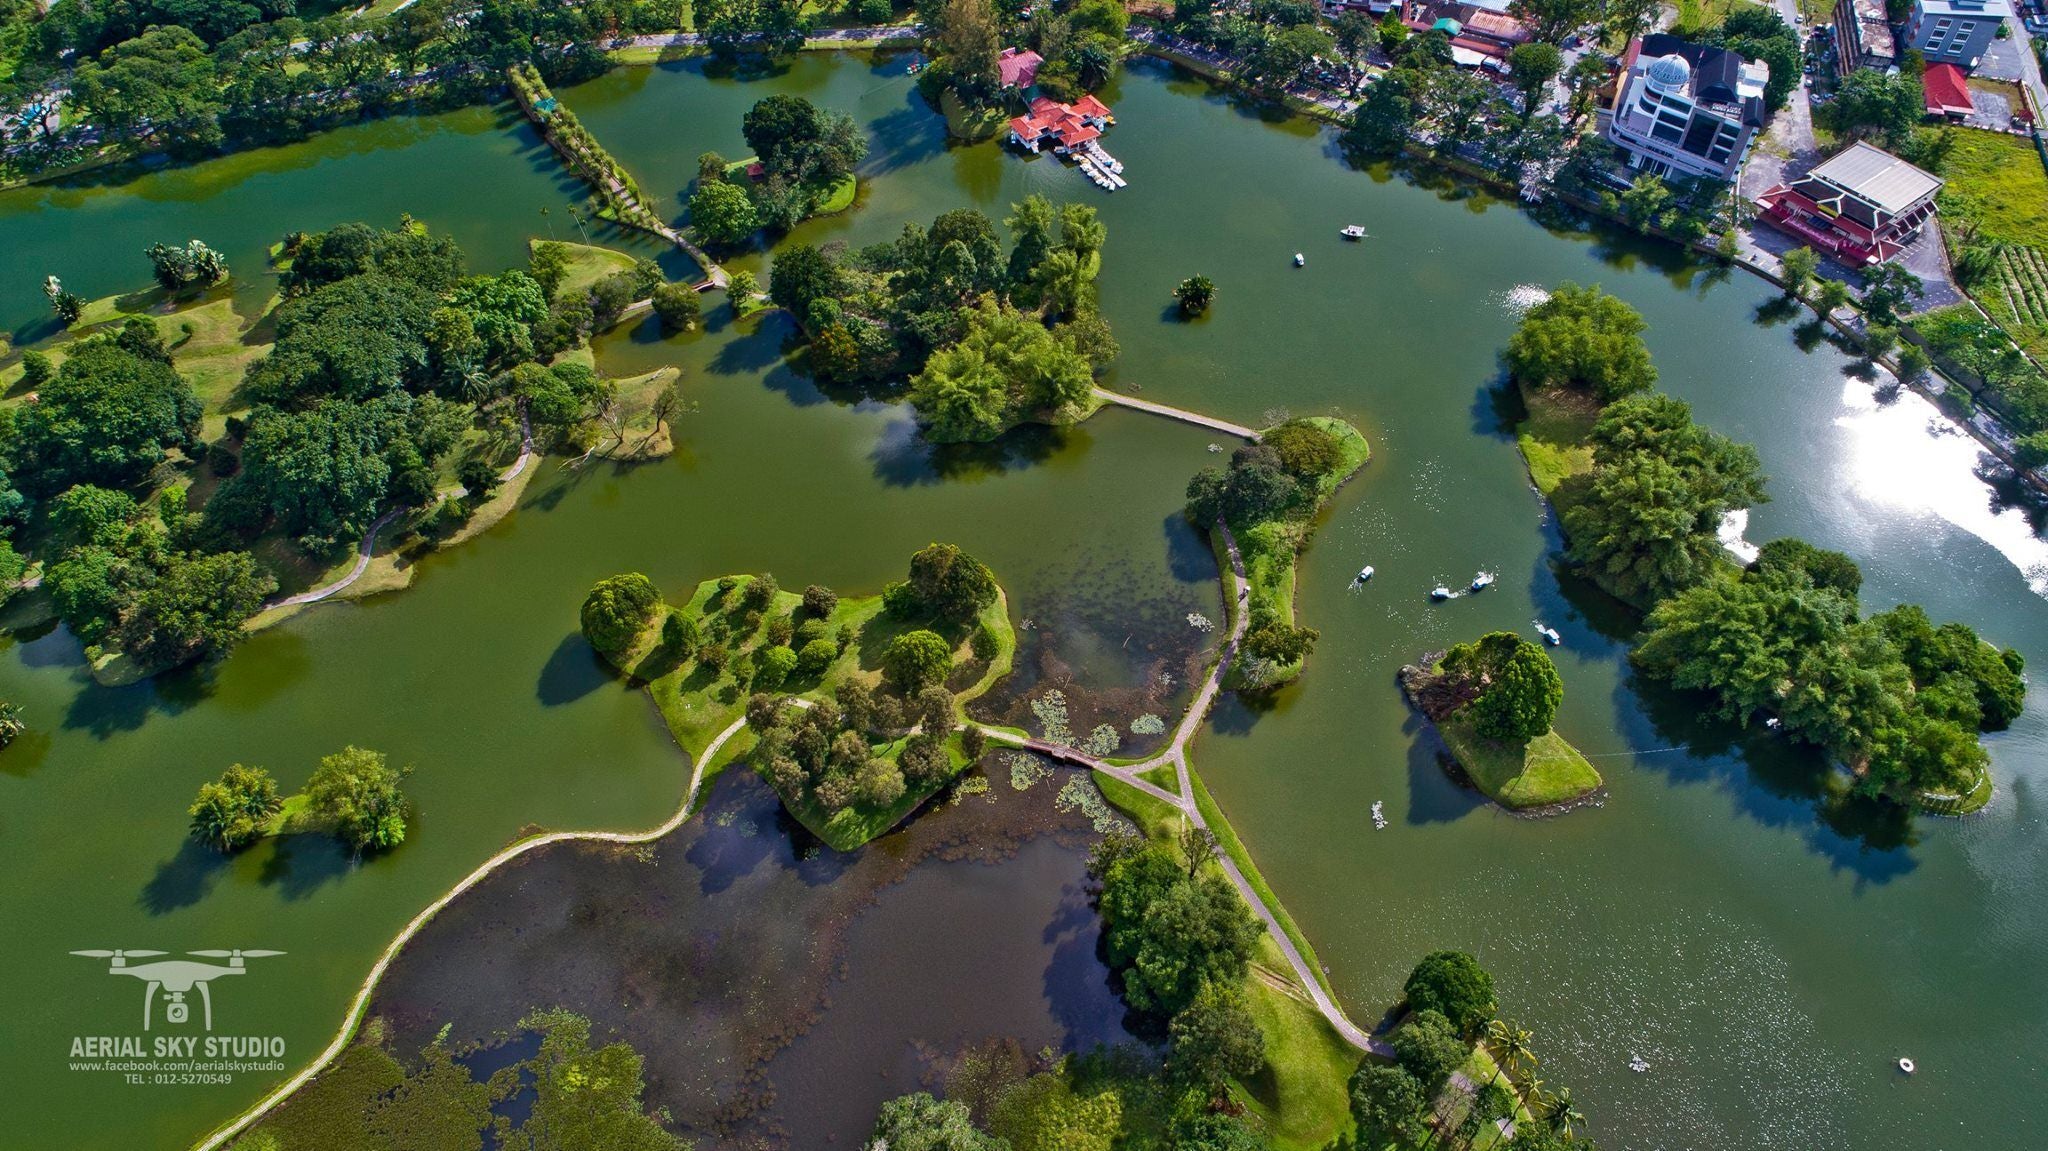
1683	109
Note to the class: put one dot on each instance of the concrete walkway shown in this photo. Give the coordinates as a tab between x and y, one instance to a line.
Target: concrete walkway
1172	413
483	870
1182	798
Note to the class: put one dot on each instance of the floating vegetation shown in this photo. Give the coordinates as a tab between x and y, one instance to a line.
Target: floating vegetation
1026	770
1080	794
1200	622
1148	724
1103	741
725	818
1051	710
976	785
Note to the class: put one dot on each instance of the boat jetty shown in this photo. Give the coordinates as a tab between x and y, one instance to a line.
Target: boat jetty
1074	131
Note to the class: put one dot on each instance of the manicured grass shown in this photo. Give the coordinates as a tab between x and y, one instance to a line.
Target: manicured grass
588	263
1303	1094
837	198
698	703
964	123
1518	774
1156	819
1553	437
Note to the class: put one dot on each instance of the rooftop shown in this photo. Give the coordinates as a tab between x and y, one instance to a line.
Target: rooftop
1018	69
1878	176
1719	78
1992	8
1947	90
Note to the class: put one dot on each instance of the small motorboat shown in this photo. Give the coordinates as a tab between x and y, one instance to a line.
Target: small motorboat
1365	573
1549	634
1637	1063
1352	231
1482	581
1905	1064
1300	260
1439	593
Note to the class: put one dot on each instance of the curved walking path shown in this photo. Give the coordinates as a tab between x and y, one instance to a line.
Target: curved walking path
483	870
1172	413
1182	797
366	549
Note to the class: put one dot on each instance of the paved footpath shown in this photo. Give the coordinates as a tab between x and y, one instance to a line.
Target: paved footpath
1172	413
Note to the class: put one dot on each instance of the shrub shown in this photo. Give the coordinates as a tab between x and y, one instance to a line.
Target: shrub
772	667
820	601
780	628
760	592
984	643
679	633
916	659
814	657
679	307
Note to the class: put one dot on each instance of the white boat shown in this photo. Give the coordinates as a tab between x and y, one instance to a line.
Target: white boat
1549	635
1440	592
1352	231
1365	573
1379	817
1300	260
1905	1064
1482	581
1637	1063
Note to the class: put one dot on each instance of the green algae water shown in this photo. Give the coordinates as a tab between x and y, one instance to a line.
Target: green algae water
1767	951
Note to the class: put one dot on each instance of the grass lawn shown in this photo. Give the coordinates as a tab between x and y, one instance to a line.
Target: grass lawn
697	702
1997	182
588	264
837	198
964	123
1696	16
1226	837
1553	437
1269	548
1534	773
1303	1093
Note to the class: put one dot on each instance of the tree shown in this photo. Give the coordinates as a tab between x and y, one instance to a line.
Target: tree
1194	295
1356	35
548	264
723	214
950	582
1523	701
1531	68
1887	288
1799	266
678	306
1387	1103
67	304
1429	1047
1830	297
107	419
1646	205
179	268
1554	20
160	87
1166	933
1511	1048
232	812
617	610
918	658
1582	338
1214	1040
1383	120
359	793
1869	103
1451	982
921	1123
796	141
194	607
772	667
820	601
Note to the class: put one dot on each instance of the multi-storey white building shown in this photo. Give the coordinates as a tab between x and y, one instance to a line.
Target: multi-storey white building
1682	109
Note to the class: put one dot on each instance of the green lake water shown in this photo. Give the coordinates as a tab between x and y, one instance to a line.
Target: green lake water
1769	955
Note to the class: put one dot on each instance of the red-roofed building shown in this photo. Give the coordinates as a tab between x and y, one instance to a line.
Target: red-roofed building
1947	91
1062	125
1018	69
1863	205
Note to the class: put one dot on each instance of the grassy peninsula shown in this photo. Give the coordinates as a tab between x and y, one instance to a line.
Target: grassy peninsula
1269	495
851	703
1492	703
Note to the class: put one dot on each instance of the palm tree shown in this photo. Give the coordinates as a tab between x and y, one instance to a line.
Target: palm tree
1560	1115
1511	1047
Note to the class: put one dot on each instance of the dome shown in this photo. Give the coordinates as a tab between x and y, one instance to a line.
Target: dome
1669	73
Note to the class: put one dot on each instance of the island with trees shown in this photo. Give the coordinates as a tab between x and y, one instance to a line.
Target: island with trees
853	706
987	339
1269	495
167	465
1641	492
802	166
1492	702
354	795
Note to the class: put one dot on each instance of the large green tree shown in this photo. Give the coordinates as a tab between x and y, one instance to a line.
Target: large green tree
1214	1040
617	610
1582	338
1453	983
1006	367
359	793
921	1123
231	812
107	418
950	582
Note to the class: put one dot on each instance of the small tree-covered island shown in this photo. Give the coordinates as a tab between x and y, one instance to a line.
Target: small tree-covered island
850	705
1492	702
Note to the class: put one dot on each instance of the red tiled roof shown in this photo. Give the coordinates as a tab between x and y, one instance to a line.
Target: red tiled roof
1946	90
1089	106
1018	69
1077	133
1498	26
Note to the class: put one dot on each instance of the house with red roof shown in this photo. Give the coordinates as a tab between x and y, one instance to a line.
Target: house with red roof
1863	205
1947	91
1064	127
1018	69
